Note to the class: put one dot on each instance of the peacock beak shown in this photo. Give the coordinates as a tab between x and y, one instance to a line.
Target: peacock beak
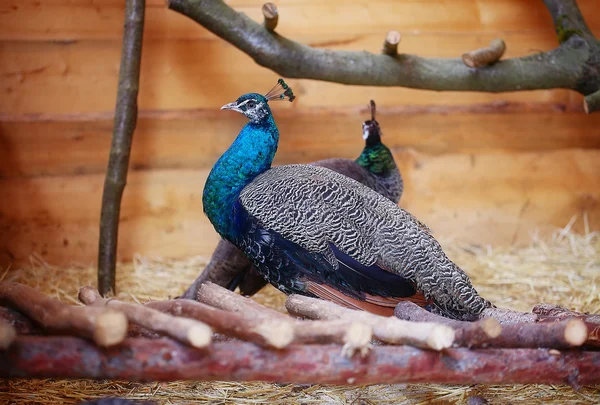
231	106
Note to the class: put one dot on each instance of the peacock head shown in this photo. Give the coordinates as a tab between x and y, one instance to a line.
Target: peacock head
255	106
371	130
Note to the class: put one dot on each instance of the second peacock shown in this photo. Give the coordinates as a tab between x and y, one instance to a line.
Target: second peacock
310	230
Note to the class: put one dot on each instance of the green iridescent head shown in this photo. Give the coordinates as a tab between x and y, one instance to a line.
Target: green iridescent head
255	106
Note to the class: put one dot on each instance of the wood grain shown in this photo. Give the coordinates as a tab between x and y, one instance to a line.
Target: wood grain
485	198
79	144
81	76
68	20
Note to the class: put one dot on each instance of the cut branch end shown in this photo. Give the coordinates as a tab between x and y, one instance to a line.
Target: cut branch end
390	45
271	16
111	328
485	56
576	333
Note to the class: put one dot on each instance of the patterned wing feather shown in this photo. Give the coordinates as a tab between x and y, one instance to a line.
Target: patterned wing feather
315	208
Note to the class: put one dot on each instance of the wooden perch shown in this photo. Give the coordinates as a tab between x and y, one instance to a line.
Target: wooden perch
120	148
105	326
355	336
168	360
485	56
489	333
390	45
572	65
7	334
549	310
276	333
271	16
387	329
188	331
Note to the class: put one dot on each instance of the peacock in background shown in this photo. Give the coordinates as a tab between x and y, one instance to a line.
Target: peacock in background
312	231
375	168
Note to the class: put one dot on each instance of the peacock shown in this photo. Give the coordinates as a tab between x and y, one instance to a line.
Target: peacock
312	231
375	167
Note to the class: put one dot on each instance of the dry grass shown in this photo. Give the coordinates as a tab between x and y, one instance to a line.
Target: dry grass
563	270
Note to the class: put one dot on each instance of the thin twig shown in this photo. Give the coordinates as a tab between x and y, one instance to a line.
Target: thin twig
271	16
485	56
390	45
124	126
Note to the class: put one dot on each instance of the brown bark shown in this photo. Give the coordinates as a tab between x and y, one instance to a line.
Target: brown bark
124	126
167	360
390	45
485	56
271	16
188	331
549	310
355	336
105	326
387	329
508	316
274	333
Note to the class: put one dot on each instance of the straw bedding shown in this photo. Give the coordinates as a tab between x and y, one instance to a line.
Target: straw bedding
563	269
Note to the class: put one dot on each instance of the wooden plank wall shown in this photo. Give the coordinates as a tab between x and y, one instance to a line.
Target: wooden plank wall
481	168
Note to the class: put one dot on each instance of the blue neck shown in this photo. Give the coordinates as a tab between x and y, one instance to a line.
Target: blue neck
250	155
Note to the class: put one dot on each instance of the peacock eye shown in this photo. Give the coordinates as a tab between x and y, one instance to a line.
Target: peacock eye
251	104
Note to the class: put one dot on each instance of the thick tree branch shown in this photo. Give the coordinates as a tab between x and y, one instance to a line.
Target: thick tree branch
167	360
124	126
569	66
105	326
188	331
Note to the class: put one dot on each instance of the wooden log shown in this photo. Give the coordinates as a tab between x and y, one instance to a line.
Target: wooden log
276	333
387	329
168	360
508	316
556	311
191	332
355	336
105	326
488	332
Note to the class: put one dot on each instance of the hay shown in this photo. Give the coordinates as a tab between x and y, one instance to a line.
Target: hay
564	269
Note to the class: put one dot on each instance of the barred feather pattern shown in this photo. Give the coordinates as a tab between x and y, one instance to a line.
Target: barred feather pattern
313	206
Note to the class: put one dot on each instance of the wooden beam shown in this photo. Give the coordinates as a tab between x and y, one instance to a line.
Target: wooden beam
476	198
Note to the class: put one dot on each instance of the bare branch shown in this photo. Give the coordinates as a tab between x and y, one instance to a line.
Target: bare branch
124	126
485	56
275	333
355	336
106	327
551	310
387	329
185	330
390	45
570	66
167	360
508	316
271	15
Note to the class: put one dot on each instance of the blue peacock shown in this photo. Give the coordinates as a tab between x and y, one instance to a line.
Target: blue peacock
312	231
375	167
